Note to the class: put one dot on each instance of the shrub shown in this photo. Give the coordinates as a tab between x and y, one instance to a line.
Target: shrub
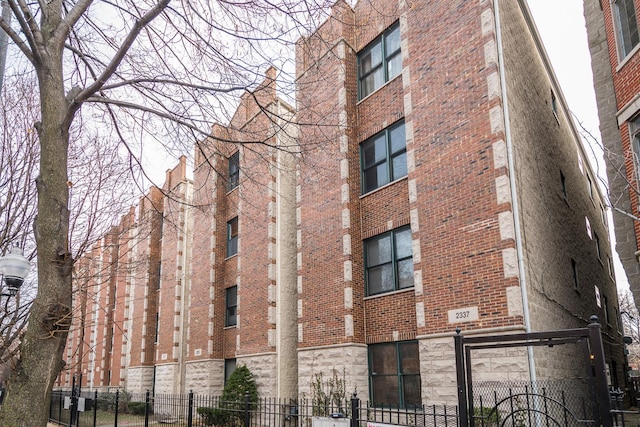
107	401
486	416
230	411
213	416
137	408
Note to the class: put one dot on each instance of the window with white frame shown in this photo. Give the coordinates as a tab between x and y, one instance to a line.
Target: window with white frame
389	261
384	157
379	62
626	24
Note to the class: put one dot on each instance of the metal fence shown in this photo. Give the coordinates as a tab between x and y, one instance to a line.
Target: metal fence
191	410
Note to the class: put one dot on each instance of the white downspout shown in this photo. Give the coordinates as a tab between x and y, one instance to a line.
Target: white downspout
514	194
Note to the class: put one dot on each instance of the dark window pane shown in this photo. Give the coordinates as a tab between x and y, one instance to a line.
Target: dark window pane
375	177
385	391
409	357
229	367
231	298
411	390
383	359
234	170
374	151
232	237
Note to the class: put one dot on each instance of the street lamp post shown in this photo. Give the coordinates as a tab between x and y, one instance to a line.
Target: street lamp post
14	267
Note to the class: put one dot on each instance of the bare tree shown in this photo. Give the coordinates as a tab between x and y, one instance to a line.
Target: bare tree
127	64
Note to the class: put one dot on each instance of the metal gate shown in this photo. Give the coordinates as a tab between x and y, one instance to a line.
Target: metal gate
534	403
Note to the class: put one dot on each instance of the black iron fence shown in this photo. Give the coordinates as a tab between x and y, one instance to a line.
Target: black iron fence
137	410
512	407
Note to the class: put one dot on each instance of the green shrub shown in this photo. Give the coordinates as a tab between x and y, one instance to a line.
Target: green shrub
107	401
137	408
486	416
213	416
239	384
230	411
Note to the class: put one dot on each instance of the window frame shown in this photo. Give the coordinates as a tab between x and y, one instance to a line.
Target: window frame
394	261
231	306
625	42
228	363
400	374
388	160
574	274
385	59
232	239
633	126
233	171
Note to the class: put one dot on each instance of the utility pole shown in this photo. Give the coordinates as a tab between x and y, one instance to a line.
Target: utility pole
4	41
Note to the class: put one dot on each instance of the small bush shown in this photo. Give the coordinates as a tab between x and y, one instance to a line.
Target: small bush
486	416
137	408
213	416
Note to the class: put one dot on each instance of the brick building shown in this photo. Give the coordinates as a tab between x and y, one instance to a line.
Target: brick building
434	180
612	28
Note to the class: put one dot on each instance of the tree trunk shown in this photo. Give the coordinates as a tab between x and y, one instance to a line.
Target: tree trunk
28	394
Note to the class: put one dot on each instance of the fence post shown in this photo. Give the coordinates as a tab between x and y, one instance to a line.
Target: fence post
355	410
247	415
95	408
602	388
190	410
146	409
461	379
115	417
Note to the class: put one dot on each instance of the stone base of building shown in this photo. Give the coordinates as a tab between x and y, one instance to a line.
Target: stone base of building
168	379
205	377
438	366
347	362
139	379
263	368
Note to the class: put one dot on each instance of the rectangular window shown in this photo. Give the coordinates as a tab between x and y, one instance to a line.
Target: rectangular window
389	261
229	367
394	374
384	157
234	171
231	301
232	237
379	62
634	131
605	306
574	274
596	239
589	187
626	26
563	185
